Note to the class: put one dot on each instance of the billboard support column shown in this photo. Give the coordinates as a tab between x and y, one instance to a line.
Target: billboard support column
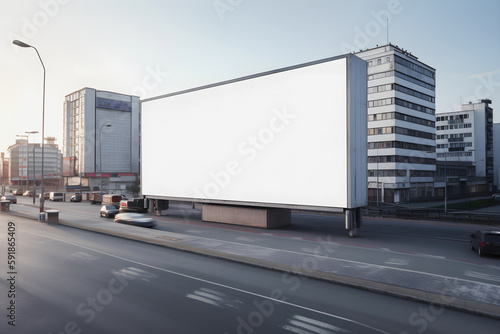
352	220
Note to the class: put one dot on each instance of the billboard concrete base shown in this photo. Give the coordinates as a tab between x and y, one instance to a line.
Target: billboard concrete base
246	216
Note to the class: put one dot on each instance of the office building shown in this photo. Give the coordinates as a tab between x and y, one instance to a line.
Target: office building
466	137
26	165
401	125
4	172
101	140
496	157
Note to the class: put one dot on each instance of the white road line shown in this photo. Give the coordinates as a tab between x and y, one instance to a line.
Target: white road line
278	301
312	325
484	276
203	299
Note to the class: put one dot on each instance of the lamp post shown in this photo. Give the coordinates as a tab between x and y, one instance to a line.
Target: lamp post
100	154
445	183
27	161
24	45
34	175
445	180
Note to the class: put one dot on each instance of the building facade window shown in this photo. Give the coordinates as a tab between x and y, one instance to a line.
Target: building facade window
403	76
400	116
414	67
414	93
401	159
387	172
401	131
414	106
402	145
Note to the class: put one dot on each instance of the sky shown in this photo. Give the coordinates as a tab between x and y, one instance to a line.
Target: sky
153	47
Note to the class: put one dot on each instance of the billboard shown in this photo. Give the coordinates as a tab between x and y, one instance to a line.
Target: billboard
290	138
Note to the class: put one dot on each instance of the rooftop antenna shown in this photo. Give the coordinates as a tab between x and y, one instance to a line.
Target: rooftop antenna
387	31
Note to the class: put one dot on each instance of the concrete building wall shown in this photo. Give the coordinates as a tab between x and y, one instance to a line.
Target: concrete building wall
101	133
463	136
401	125
26	164
496	154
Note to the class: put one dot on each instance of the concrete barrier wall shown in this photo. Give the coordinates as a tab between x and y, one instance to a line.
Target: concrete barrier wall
246	216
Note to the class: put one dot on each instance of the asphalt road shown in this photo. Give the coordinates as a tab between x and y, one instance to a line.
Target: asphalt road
73	281
430	247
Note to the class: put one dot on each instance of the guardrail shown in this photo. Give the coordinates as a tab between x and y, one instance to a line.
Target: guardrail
486	218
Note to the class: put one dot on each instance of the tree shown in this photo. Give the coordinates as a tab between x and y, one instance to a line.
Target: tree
135	188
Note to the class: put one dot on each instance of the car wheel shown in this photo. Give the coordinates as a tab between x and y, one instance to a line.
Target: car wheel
471	246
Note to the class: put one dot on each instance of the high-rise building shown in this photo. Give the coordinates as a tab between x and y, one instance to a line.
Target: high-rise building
4	172
26	164
466	136
496	156
101	140
401	125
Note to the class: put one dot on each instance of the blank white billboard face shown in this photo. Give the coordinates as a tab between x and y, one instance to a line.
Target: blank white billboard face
273	139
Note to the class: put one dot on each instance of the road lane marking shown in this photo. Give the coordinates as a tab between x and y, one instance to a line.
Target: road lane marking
215	298
304	325
397	262
479	275
276	300
83	256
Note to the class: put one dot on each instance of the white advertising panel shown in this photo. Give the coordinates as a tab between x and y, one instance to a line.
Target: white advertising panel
281	139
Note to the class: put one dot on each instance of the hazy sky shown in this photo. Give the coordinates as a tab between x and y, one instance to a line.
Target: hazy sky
149	48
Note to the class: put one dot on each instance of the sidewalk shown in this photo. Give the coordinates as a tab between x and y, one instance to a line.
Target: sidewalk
454	293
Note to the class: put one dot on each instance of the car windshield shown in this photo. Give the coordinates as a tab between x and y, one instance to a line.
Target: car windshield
109	207
490	237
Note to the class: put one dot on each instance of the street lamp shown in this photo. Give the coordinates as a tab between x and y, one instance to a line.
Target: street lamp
34	175
445	180
24	45
445	183
27	161
27	136
100	154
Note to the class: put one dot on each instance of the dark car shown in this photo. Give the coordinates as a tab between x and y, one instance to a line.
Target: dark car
108	211
76	198
136	219
10	198
133	205
486	242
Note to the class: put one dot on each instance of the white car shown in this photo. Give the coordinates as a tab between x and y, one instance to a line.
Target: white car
136	219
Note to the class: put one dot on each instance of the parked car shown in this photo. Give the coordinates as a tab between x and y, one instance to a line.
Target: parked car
17	192
496	197
76	198
485	242
28	193
45	196
108	211
136	219
11	198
